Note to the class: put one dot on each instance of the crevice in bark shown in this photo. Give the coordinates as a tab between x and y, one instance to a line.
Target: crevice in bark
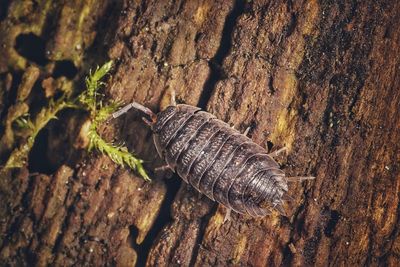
334	219
163	219
4	10
19	211
65	68
298	228
31	47
10	95
202	230
66	223
97	52
39	158
225	46
395	231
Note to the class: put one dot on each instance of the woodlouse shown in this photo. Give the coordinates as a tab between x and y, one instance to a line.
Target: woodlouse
217	160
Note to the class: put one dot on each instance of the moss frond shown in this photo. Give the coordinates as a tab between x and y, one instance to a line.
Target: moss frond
118	154
99	112
104	112
19	155
89	100
49	113
93	84
24	122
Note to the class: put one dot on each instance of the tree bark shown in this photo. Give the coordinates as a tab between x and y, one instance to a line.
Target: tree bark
320	78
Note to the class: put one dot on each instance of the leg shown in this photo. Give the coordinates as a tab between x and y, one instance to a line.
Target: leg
122	111
277	152
292	248
164	168
168	99
246	132
173	98
149	123
135	105
227	215
166	171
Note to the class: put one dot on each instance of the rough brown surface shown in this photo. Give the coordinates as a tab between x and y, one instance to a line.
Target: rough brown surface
321	78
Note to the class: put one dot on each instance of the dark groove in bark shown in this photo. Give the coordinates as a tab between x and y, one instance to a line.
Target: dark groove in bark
10	96
202	230
163	219
66	224
225	46
19	211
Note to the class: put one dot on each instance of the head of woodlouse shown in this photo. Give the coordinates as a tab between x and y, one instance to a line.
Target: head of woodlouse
162	117
158	123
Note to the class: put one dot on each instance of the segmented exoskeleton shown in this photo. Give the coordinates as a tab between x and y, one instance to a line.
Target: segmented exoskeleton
217	160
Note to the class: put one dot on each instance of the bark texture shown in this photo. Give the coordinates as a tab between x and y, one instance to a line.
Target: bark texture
319	77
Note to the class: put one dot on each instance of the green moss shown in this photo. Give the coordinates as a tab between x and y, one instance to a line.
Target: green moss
89	100
19	155
99	112
118	154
